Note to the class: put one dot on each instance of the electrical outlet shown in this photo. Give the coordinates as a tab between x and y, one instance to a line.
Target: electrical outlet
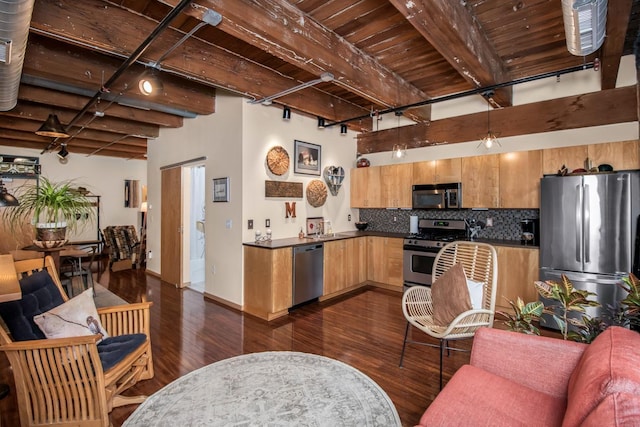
395	219
250	224
349	217
489	222
267	223
150	255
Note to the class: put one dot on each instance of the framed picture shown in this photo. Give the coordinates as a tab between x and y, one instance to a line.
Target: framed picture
221	189
307	158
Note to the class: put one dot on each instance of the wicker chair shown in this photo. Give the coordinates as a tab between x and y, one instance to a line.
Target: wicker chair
479	261
61	381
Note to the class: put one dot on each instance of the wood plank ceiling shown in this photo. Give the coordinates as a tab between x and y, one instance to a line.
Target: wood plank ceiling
382	53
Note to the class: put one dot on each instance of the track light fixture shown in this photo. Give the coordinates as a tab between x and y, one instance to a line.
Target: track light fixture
321	124
343	129
150	83
52	128
286	114
63	153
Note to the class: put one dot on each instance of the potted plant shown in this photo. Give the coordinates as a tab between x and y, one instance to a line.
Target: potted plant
52	207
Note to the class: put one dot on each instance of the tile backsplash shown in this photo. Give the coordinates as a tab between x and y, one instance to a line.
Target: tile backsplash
506	222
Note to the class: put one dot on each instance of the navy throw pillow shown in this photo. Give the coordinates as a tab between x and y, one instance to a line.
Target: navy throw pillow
39	294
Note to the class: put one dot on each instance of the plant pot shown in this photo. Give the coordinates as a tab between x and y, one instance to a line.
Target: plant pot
54	231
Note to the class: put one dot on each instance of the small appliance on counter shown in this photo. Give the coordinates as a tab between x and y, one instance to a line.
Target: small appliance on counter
530	232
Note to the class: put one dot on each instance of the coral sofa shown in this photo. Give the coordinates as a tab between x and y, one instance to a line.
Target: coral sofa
515	379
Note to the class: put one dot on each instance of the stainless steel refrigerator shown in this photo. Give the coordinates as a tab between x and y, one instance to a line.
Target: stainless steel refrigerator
588	228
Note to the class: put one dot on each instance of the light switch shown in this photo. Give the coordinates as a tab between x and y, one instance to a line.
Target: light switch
267	223
250	224
228	223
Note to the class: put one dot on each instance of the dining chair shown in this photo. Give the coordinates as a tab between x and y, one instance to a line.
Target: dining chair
480	265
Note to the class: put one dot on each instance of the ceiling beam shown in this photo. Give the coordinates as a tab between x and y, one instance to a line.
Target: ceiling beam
112	151
282	30
449	27
46	96
39	113
49	59
91	24
618	14
592	109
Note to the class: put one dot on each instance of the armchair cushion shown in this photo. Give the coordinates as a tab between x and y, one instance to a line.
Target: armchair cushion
113	349
74	318
475	397
39	294
450	295
609	365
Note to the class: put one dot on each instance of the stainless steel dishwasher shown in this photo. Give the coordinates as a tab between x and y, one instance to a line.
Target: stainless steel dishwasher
307	272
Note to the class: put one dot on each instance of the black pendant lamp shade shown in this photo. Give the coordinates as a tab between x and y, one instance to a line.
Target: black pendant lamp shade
6	199
52	128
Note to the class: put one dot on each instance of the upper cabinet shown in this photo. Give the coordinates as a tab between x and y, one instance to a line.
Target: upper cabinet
621	155
480	178
396	185
382	186
365	188
520	174
437	171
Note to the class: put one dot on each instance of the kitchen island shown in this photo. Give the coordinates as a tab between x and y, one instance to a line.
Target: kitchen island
354	259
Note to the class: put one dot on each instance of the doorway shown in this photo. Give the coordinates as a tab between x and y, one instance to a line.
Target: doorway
196	216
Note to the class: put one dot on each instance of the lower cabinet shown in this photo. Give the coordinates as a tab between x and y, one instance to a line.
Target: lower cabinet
517	271
384	258
345	264
268	282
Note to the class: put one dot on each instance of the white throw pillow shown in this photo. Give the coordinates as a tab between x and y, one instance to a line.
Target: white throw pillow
76	317
475	293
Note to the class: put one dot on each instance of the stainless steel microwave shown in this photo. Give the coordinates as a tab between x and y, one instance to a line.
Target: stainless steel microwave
437	196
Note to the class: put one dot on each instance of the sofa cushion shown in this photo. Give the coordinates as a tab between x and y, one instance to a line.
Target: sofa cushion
75	318
474	397
450	295
611	364
39	294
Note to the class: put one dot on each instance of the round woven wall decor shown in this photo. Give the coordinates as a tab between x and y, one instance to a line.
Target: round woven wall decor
278	160
316	193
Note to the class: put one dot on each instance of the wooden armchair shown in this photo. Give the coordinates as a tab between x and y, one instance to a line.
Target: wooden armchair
62	380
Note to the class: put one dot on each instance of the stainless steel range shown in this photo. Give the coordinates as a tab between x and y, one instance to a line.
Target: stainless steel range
420	250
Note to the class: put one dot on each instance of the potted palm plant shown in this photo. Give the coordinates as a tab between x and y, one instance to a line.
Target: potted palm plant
51	207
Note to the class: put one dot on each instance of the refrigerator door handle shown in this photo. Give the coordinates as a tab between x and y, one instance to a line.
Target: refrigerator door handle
578	232
587	224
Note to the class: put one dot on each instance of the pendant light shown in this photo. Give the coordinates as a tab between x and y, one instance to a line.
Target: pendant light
52	128
399	150
490	139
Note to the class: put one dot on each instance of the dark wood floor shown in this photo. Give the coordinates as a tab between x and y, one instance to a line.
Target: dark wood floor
364	329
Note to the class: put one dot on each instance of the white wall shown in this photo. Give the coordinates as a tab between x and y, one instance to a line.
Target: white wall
264	129
218	137
103	176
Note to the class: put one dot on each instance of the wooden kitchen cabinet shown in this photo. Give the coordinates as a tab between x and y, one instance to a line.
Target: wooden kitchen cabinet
621	155
480	181
384	261
520	174
344	265
437	171
267	281
517	271
396	181
365	188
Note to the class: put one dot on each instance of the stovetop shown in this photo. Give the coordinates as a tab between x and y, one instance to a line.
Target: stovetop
435	233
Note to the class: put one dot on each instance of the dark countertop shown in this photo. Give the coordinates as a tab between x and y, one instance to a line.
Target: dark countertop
294	241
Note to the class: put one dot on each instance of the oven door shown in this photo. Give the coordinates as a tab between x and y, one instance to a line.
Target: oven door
418	265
